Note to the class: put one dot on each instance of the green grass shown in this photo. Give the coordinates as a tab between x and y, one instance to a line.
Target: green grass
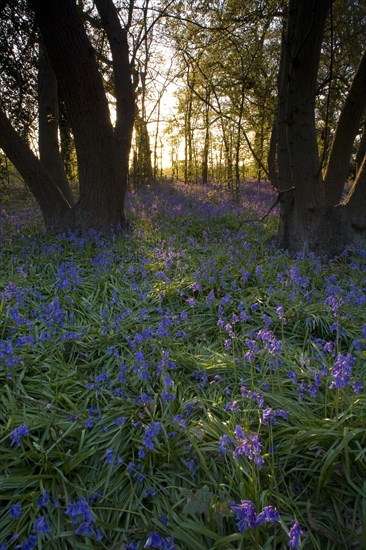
94	331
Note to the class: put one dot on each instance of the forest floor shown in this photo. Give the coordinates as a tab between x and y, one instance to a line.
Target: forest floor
183	386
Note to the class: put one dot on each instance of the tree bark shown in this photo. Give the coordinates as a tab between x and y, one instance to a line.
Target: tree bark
355	202
300	183
102	186
54	206
124	91
344	137
48	143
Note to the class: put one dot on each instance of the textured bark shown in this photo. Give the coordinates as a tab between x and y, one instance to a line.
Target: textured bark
52	203
347	128
48	143
102	186
302	214
122	70
356	201
361	151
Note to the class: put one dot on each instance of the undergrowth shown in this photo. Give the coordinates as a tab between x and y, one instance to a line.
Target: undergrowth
183	386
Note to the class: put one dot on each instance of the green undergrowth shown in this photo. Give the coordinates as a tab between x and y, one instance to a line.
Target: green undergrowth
144	368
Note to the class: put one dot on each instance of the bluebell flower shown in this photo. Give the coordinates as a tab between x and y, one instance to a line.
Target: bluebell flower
224	441
85	528
269	514
191	465
150	433
210	298
154	540
342	371
150	492
233	407
30	543
112	457
246	516
79	511
16	511
269	415
43	499
41	526
292	375
17	434
294	535
167	396
249	446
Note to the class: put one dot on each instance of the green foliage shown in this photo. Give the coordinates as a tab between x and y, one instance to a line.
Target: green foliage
124	358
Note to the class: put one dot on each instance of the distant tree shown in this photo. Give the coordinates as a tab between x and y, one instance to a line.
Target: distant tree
102	149
312	210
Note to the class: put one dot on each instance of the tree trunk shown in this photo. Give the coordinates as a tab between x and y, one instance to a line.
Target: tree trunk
206	143
355	203
48	144
344	137
310	208
124	91
54	206
300	183
102	183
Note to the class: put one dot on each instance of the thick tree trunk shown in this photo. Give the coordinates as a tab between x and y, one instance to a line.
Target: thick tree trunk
54	206
124	91
344	137
48	143
303	219
102	185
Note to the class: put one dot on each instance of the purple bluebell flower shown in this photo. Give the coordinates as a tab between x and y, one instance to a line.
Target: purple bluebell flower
233	407
85	528
292	376
249	446
41	526
120	421
30	543
191	465
342	371
150	492
269	415
280	313
294	535
150	433
79	511
246	515
227	344
269	514
43	499
17	434
154	540
224	441
16	511
112	457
